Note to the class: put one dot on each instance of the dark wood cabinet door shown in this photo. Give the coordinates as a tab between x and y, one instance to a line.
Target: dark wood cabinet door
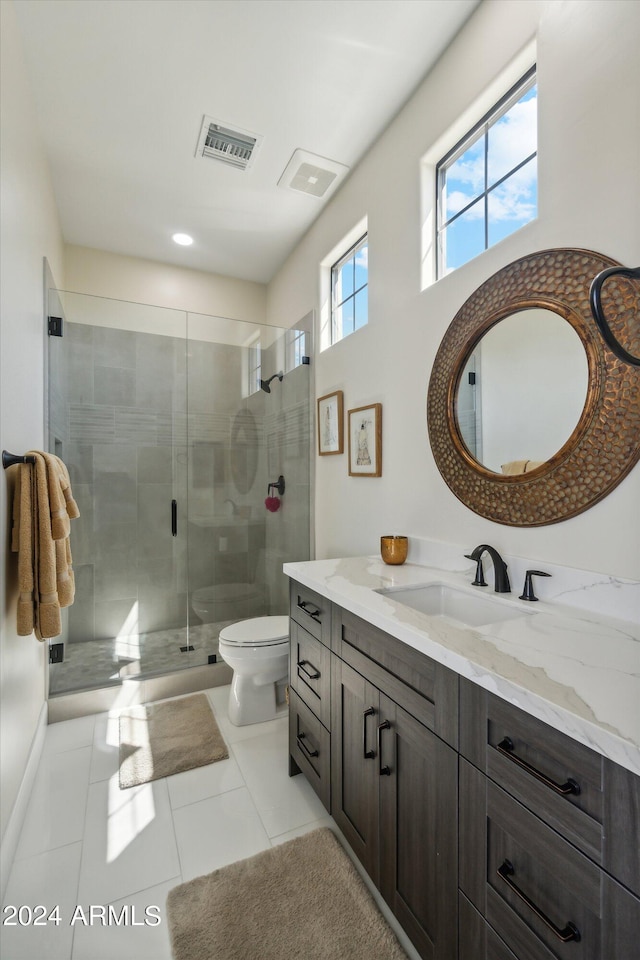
354	763
418	776
540	894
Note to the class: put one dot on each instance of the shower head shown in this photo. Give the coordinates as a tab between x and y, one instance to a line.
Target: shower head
264	384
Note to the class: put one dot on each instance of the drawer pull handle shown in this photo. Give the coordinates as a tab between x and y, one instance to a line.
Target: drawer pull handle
305	749
570	932
367	754
384	771
310	611
307	673
505	747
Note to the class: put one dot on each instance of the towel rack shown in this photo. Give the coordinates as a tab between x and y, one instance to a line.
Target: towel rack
8	459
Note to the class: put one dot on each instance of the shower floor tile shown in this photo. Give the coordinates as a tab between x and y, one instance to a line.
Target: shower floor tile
100	663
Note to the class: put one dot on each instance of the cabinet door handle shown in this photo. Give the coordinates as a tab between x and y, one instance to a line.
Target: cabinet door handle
310	611
505	747
174	518
570	932
383	771
307	673
367	754
305	749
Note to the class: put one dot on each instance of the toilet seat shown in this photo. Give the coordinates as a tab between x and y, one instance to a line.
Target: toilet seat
257	632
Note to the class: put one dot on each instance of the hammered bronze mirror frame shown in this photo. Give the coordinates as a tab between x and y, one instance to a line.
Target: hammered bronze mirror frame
605	444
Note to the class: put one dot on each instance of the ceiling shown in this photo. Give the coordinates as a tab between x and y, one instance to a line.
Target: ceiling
122	87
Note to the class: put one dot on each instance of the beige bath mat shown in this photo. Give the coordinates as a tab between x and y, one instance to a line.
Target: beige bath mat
301	899
159	739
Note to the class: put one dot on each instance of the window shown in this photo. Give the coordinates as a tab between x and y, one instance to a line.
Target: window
487	185
254	365
296	348
349	291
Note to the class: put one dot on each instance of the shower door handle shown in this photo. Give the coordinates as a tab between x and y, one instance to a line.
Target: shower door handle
174	518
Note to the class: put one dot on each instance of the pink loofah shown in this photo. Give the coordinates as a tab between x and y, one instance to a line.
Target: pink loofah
272	504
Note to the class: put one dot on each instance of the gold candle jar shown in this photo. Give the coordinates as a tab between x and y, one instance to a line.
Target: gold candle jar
393	549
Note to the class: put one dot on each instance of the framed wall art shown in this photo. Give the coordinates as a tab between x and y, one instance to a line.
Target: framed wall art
331	424
365	441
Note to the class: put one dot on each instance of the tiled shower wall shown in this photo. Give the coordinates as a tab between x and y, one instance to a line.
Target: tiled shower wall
118	417
120	426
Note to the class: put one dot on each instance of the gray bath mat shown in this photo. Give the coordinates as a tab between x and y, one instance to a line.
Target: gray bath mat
300	899
160	739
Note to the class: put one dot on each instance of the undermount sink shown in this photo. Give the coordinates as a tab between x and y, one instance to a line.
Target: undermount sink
441	600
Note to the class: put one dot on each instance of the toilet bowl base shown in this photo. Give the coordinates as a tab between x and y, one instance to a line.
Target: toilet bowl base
250	702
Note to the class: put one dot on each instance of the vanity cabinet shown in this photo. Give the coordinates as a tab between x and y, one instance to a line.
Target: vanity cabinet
381	709
490	834
310	689
394	792
549	856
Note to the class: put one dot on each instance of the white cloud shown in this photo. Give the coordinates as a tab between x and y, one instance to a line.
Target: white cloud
457	200
362	257
511	140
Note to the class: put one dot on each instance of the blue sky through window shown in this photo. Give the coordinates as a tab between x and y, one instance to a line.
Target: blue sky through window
489	186
349	279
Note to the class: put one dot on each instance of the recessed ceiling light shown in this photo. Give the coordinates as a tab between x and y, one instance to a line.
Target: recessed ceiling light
183	239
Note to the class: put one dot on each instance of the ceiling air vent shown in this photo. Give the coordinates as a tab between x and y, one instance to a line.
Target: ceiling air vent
230	145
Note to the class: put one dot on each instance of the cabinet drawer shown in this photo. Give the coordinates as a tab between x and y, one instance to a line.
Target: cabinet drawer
311	611
310	673
591	801
424	688
542	896
556	777
477	941
310	747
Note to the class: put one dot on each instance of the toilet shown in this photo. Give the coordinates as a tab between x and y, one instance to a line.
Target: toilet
257	651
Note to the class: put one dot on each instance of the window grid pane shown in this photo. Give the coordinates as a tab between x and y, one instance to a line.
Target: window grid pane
349	280
255	367
495	164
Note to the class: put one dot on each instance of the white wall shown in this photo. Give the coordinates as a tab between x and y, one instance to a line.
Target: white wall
30	231
533	379
589	189
103	274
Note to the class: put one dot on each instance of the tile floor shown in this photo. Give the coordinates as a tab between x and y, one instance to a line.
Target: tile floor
86	842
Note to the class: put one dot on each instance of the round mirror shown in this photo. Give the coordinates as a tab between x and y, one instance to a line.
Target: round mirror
563	402
244	450
522	391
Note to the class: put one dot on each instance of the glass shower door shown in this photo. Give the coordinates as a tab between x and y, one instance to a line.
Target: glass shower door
226	534
241	438
118	418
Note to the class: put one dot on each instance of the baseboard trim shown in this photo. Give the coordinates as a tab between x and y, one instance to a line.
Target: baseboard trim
9	843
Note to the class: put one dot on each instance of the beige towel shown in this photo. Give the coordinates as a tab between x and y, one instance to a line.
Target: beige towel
43	504
61	503
22	543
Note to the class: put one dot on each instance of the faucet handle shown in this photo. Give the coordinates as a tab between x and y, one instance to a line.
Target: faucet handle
527	593
479	580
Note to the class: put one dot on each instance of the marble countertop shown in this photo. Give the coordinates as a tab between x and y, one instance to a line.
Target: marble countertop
579	672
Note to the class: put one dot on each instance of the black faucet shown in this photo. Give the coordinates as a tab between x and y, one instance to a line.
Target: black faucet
501	577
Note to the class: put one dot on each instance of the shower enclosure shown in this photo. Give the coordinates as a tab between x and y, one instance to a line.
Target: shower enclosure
171	444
